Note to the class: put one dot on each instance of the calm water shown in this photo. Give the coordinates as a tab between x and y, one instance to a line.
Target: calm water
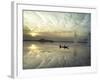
49	55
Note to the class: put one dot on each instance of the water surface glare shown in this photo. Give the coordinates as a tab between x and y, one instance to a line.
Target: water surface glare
49	55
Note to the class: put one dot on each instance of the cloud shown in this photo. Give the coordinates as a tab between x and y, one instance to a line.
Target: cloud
41	21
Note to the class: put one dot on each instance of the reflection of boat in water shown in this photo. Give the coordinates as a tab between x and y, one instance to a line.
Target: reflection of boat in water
64	46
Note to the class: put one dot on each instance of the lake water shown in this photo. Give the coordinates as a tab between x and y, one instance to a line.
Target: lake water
49	55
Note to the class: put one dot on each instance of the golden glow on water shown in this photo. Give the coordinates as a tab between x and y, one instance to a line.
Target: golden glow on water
33	50
32	47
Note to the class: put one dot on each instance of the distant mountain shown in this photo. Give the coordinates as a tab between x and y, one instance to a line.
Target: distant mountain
41	40
45	40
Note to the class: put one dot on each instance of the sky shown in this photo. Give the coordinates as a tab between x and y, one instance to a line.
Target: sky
38	24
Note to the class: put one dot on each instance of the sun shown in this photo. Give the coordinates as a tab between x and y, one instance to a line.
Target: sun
33	34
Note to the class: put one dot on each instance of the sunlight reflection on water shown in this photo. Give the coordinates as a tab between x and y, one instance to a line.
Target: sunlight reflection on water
49	55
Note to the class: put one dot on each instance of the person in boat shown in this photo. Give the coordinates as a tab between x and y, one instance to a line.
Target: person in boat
59	46
66	47
63	47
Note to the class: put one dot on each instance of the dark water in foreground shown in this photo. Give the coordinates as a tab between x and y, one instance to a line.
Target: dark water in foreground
49	55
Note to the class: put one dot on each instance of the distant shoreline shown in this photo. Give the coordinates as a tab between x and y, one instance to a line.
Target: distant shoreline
56	41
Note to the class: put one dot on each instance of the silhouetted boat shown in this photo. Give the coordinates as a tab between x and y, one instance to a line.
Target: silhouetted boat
67	47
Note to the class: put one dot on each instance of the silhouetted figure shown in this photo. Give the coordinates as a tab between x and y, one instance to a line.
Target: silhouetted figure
60	46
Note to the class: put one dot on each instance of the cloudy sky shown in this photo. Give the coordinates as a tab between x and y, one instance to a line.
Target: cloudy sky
55	24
